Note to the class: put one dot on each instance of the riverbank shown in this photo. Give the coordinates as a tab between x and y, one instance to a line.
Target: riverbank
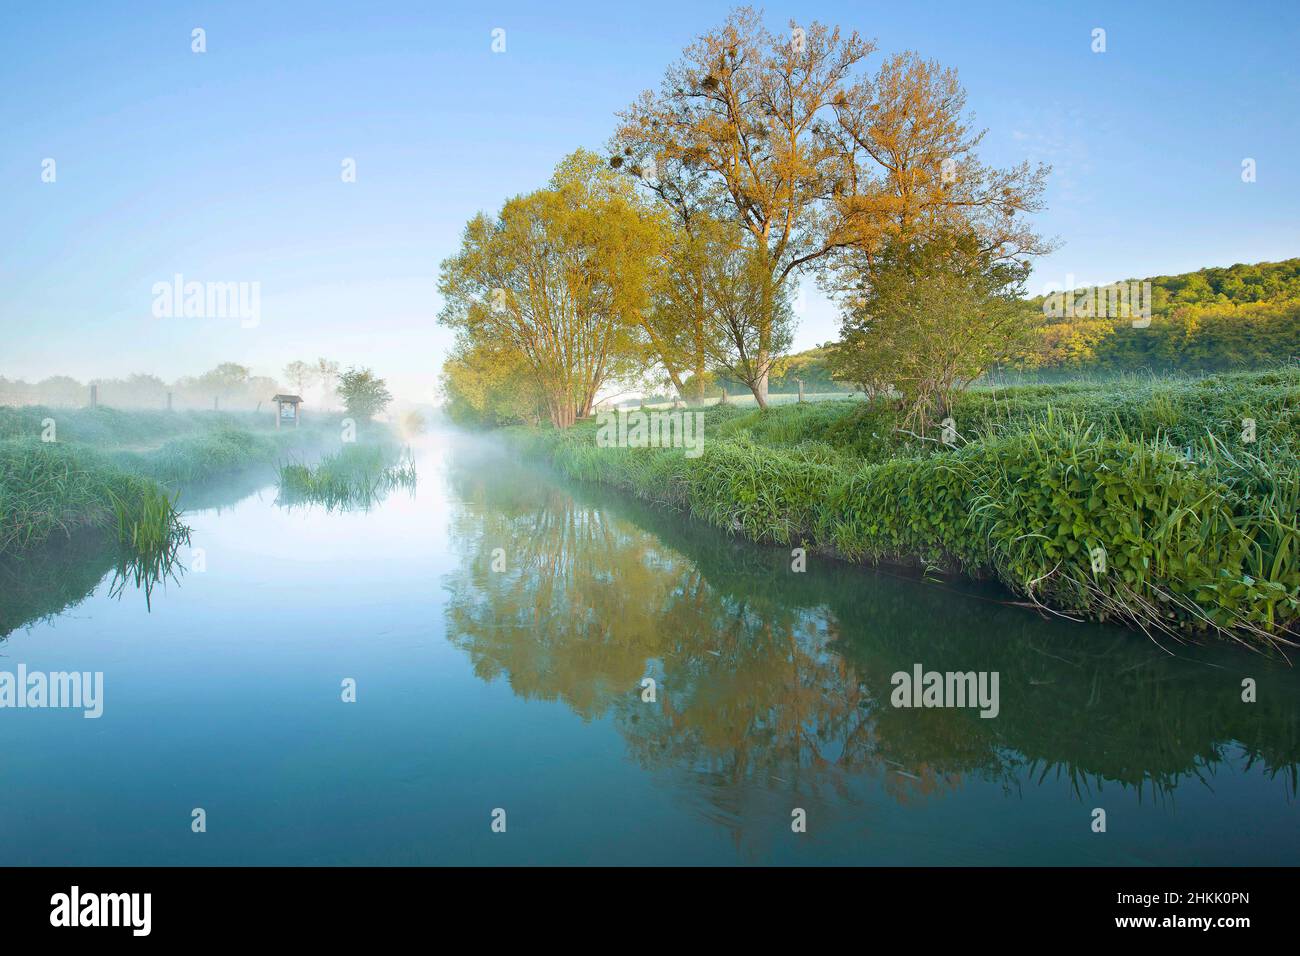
64	470
1170	505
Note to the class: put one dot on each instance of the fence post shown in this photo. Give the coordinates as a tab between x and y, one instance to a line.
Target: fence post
94	396
800	381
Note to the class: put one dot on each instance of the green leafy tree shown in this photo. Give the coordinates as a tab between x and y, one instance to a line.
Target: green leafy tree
938	313
486	387
364	393
560	277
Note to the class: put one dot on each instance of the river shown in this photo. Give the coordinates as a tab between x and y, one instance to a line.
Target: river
499	624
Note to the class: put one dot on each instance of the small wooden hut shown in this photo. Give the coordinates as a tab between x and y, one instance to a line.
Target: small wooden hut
286	409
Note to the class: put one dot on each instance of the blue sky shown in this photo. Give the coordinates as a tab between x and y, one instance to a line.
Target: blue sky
225	166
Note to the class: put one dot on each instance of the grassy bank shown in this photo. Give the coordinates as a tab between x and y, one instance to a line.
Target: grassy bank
1141	501
120	471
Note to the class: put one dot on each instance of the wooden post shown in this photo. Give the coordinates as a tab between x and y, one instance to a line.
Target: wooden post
800	381
169	401
94	396
296	413
215	406
278	412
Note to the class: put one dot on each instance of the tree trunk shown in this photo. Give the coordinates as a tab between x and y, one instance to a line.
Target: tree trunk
677	381
560	409
764	343
699	348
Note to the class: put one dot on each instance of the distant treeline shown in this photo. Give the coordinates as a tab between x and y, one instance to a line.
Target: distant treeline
229	386
1242	317
1211	320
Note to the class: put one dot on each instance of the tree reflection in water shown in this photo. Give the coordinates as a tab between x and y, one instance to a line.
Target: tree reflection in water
773	686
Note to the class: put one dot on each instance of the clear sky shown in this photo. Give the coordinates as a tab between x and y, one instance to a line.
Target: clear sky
226	165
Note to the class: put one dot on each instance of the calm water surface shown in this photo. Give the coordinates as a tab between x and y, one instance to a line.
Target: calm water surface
521	689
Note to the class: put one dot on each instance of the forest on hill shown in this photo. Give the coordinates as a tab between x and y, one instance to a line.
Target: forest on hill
1217	319
1212	320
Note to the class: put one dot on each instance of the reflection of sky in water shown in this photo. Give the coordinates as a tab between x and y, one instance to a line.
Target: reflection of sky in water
522	690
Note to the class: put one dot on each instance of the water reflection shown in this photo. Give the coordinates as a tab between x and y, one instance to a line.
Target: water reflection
774	679
43	582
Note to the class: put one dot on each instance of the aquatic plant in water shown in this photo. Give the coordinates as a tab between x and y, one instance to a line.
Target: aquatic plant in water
357	477
150	534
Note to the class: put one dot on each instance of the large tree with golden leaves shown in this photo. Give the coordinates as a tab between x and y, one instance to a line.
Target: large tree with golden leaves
561	278
786	135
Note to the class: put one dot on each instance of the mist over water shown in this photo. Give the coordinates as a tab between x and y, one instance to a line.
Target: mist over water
498	624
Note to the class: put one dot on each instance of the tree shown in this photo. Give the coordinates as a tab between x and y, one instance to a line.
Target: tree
364	394
488	386
62	390
912	169
677	322
936	314
710	313
327	373
559	276
820	164
227	379
747	329
737	127
138	389
300	374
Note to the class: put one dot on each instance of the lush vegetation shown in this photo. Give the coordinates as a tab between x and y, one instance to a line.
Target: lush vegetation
358	476
932	316
1146	501
1239	317
118	471
811	368
108	468
764	157
364	393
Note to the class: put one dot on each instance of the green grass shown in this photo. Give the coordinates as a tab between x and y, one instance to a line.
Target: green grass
1197	527
104	427
119	472
151	533
357	477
